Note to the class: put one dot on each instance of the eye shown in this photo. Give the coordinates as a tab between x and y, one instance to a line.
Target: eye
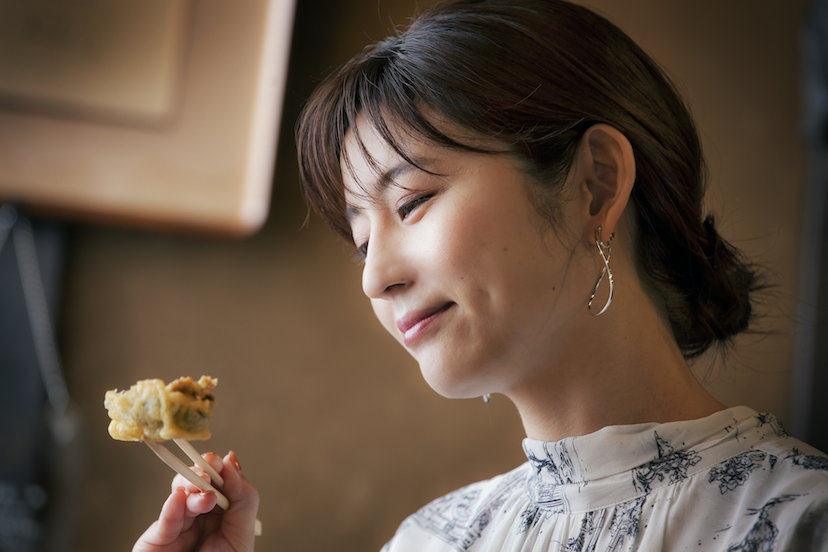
361	252
408	207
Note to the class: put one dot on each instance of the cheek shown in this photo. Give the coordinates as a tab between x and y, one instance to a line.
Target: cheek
385	314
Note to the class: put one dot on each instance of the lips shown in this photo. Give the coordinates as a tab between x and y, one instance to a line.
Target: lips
414	324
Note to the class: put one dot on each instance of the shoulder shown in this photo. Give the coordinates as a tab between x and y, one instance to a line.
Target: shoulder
787	503
795	465
787	464
810	533
460	516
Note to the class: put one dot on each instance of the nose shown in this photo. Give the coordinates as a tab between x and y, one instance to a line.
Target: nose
386	270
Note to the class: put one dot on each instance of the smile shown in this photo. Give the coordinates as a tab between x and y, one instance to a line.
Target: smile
414	324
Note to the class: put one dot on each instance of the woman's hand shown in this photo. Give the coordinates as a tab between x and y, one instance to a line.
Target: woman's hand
190	521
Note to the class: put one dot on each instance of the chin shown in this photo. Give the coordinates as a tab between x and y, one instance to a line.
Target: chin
448	382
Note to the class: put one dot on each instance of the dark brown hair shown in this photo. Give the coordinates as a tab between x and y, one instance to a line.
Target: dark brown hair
534	75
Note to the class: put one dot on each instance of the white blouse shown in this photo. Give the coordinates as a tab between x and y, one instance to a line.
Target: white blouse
735	481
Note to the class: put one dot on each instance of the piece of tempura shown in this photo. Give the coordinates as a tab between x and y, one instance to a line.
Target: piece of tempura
151	410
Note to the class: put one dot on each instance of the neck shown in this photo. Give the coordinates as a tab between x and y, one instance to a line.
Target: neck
627	370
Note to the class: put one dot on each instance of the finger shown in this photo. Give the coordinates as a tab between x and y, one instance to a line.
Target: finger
181	481
201	503
236	486
171	520
174	524
180	509
214	460
170	527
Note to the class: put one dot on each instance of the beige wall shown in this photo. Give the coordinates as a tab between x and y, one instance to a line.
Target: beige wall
329	417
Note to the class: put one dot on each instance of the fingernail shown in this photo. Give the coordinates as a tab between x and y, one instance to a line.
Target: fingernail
235	461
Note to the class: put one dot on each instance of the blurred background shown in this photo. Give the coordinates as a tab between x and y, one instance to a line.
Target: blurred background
329	417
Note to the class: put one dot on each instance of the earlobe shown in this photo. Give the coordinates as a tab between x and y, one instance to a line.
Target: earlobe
608	166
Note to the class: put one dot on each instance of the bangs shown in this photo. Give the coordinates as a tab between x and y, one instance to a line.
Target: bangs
377	88
456	78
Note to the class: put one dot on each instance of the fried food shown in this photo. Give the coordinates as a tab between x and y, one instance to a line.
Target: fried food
149	409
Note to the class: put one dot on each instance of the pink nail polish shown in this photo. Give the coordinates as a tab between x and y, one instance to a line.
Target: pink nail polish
235	461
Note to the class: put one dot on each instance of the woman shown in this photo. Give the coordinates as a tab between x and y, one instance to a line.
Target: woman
524	188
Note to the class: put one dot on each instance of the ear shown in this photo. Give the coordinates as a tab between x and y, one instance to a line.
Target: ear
607	167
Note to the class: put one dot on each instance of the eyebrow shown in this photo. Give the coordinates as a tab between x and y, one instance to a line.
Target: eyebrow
382	183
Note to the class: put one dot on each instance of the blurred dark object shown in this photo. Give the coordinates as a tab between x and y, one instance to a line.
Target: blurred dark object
40	469
809	401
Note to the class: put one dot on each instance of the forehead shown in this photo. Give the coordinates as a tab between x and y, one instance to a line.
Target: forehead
379	154
370	164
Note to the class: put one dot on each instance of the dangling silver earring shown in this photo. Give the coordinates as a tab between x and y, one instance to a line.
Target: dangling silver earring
486	398
605	250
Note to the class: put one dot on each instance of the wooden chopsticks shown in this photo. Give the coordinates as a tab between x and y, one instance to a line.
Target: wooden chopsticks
182	469
190	451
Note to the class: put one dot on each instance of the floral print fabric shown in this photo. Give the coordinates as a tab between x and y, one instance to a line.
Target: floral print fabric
735	481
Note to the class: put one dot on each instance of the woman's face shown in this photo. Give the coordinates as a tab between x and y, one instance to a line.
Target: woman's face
460	268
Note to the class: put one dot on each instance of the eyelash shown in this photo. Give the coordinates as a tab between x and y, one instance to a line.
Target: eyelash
360	253
407	208
403	211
